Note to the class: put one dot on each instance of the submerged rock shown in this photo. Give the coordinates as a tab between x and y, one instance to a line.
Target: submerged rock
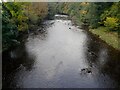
92	53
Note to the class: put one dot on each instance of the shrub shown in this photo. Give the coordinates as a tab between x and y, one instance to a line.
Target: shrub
111	23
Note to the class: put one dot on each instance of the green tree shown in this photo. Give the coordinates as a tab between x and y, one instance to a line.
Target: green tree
17	19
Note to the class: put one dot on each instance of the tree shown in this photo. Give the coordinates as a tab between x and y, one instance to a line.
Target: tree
17	18
111	17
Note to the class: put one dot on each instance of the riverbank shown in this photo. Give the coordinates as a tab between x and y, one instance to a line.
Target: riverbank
111	38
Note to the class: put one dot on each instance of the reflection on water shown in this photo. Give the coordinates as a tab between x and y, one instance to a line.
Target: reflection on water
56	59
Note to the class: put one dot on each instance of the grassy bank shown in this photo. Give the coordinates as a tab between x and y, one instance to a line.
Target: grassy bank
110	38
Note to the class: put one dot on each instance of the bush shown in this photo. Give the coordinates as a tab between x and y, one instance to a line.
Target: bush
111	23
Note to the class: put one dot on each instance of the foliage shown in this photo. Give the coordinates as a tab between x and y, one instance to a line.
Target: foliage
111	17
52	9
17	18
87	13
111	23
8	27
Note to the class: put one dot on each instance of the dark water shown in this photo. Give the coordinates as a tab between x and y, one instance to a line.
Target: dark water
62	57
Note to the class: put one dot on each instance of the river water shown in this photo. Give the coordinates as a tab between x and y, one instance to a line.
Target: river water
64	56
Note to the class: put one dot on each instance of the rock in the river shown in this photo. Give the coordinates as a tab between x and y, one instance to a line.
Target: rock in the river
86	70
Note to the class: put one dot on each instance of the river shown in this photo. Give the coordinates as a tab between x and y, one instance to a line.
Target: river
64	56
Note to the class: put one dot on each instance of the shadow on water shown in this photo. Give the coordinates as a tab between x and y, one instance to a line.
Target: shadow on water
112	66
105	58
14	60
